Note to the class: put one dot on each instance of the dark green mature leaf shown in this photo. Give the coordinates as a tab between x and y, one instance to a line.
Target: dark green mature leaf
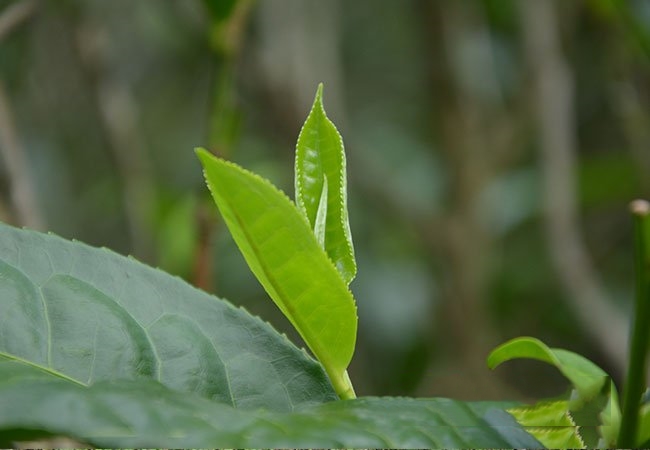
284	255
144	413
90	315
320	175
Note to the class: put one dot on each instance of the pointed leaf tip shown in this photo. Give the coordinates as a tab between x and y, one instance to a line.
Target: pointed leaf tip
283	253
320	156
202	154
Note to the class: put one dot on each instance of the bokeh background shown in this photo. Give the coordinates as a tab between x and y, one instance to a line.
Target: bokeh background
493	147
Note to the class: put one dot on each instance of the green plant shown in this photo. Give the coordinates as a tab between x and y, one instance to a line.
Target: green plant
594	402
114	353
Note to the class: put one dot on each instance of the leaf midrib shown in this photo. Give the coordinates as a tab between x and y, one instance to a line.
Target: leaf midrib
42	368
309	338
324	129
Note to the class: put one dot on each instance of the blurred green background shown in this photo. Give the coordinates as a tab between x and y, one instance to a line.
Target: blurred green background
493	147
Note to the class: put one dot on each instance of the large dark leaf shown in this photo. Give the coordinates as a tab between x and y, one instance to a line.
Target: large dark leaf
144	413
90	315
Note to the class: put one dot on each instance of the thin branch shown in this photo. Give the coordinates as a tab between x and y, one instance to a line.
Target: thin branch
14	15
23	196
554	99
119	114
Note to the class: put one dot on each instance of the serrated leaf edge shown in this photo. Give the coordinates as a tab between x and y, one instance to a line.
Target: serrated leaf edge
337	379
344	220
257	319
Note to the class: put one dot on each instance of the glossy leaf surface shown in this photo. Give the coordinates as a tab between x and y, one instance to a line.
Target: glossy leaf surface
283	253
90	315
320	173
144	413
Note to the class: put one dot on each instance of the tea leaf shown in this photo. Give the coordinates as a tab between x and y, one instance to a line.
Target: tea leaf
551	424
587	378
146	414
283	253
320	170
88	315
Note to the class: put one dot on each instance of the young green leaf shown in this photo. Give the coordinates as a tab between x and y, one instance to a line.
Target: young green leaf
283	253
320	170
587	378
551	424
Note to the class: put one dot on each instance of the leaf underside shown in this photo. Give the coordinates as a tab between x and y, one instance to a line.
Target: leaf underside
90	315
594	396
144	413
587	378
320	172
283	253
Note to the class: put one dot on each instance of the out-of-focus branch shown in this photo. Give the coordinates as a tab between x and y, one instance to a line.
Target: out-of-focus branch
119	115
475	150
478	140
23	196
20	179
554	101
224	115
636	126
15	14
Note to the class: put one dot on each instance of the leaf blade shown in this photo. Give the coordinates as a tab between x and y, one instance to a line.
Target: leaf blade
284	255
587	377
551	423
91	315
320	167
144	413
594	400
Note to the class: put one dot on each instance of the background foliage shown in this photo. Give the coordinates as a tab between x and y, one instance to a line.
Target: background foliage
492	148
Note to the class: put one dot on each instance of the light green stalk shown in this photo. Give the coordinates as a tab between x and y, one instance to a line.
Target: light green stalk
636	373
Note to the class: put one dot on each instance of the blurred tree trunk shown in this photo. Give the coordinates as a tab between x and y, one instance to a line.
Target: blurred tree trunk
477	135
24	201
553	99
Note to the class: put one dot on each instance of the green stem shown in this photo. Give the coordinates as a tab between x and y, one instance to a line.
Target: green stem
636	374
343	387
